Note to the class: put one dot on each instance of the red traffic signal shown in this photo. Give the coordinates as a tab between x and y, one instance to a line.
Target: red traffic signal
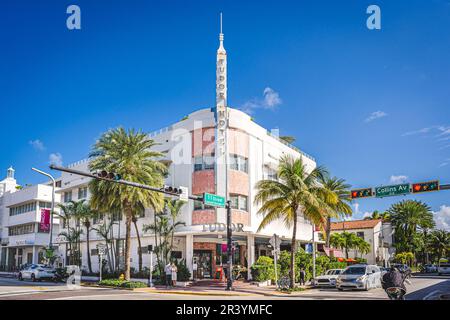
361	193
108	175
425	186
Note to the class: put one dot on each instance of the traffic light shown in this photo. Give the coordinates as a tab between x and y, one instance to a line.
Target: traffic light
108	175
173	190
362	193
425	186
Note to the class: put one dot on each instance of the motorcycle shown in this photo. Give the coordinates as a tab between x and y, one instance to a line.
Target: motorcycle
396	293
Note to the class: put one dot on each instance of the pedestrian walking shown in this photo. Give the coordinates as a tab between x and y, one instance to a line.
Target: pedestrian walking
168	272
302	276
174	274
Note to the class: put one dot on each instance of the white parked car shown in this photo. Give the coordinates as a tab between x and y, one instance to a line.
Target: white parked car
328	279
359	276
37	272
444	268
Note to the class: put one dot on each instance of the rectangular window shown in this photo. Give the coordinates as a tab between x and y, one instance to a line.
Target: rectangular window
98	218
238	163
24	208
204	163
82	193
21	229
67	196
360	234
198	205
117	216
239	202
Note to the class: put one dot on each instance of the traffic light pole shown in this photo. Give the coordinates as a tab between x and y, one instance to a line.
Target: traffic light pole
229	248
124	182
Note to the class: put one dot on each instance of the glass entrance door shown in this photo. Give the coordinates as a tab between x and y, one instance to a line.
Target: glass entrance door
203	259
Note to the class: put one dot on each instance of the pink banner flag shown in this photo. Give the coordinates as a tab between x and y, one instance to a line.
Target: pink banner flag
45	220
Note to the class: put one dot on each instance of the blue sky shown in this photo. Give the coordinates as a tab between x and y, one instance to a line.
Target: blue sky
368	104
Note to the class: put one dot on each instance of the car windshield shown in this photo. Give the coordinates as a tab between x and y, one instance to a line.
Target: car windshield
330	272
355	270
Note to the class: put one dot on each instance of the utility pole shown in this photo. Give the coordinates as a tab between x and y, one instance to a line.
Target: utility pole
229	248
50	244
314	250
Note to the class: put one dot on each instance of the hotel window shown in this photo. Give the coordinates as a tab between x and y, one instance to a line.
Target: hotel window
97	218
204	163
45	205
239	202
117	216
24	208
198	205
238	163
67	196
21	229
360	234
82	193
271	174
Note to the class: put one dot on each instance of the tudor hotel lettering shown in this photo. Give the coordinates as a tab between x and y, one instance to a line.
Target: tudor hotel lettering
221	94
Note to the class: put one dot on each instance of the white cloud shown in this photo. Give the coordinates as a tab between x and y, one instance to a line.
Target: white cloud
356	206
37	145
420	131
442	218
55	159
367	214
270	100
376	115
445	163
398	179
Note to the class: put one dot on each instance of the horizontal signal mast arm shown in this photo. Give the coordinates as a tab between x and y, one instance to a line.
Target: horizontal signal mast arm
124	182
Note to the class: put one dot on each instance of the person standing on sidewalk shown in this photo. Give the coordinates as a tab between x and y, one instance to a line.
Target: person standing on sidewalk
168	272
302	276
174	274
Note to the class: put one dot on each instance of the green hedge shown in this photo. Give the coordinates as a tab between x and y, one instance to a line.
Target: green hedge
122	284
263	269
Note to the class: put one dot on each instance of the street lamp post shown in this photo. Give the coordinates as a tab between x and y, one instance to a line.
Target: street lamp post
50	245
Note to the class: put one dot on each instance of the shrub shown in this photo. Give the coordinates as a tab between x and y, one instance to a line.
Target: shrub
122	283
183	273
263	269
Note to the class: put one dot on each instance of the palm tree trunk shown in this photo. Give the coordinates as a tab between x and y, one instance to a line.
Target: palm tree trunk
328	232
293	250
139	245
88	249
127	244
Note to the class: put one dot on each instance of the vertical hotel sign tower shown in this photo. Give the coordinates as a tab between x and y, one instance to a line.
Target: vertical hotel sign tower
221	116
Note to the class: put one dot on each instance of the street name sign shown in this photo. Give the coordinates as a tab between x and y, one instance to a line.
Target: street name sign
213	200
394	190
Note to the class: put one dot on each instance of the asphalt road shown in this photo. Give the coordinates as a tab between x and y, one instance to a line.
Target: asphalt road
424	287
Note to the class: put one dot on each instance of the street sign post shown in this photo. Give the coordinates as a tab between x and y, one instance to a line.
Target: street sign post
101	251
394	190
275	242
213	200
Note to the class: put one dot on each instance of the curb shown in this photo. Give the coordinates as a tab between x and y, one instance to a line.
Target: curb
195	293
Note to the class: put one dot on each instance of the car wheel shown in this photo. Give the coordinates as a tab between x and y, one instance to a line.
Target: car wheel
33	277
340	289
20	277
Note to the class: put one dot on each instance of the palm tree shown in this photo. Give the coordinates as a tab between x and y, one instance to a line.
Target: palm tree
72	236
295	191
374	216
128	153
362	246
345	241
174	206
339	205
440	243
408	217
84	213
104	231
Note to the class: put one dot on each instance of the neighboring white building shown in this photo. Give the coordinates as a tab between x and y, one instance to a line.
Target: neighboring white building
377	233
20	209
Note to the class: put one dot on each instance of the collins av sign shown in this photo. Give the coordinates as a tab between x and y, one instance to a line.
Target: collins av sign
395	190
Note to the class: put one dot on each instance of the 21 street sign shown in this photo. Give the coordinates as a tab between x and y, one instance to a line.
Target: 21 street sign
213	200
395	190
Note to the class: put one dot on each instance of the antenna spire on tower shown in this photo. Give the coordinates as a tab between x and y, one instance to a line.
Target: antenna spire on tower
221	23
